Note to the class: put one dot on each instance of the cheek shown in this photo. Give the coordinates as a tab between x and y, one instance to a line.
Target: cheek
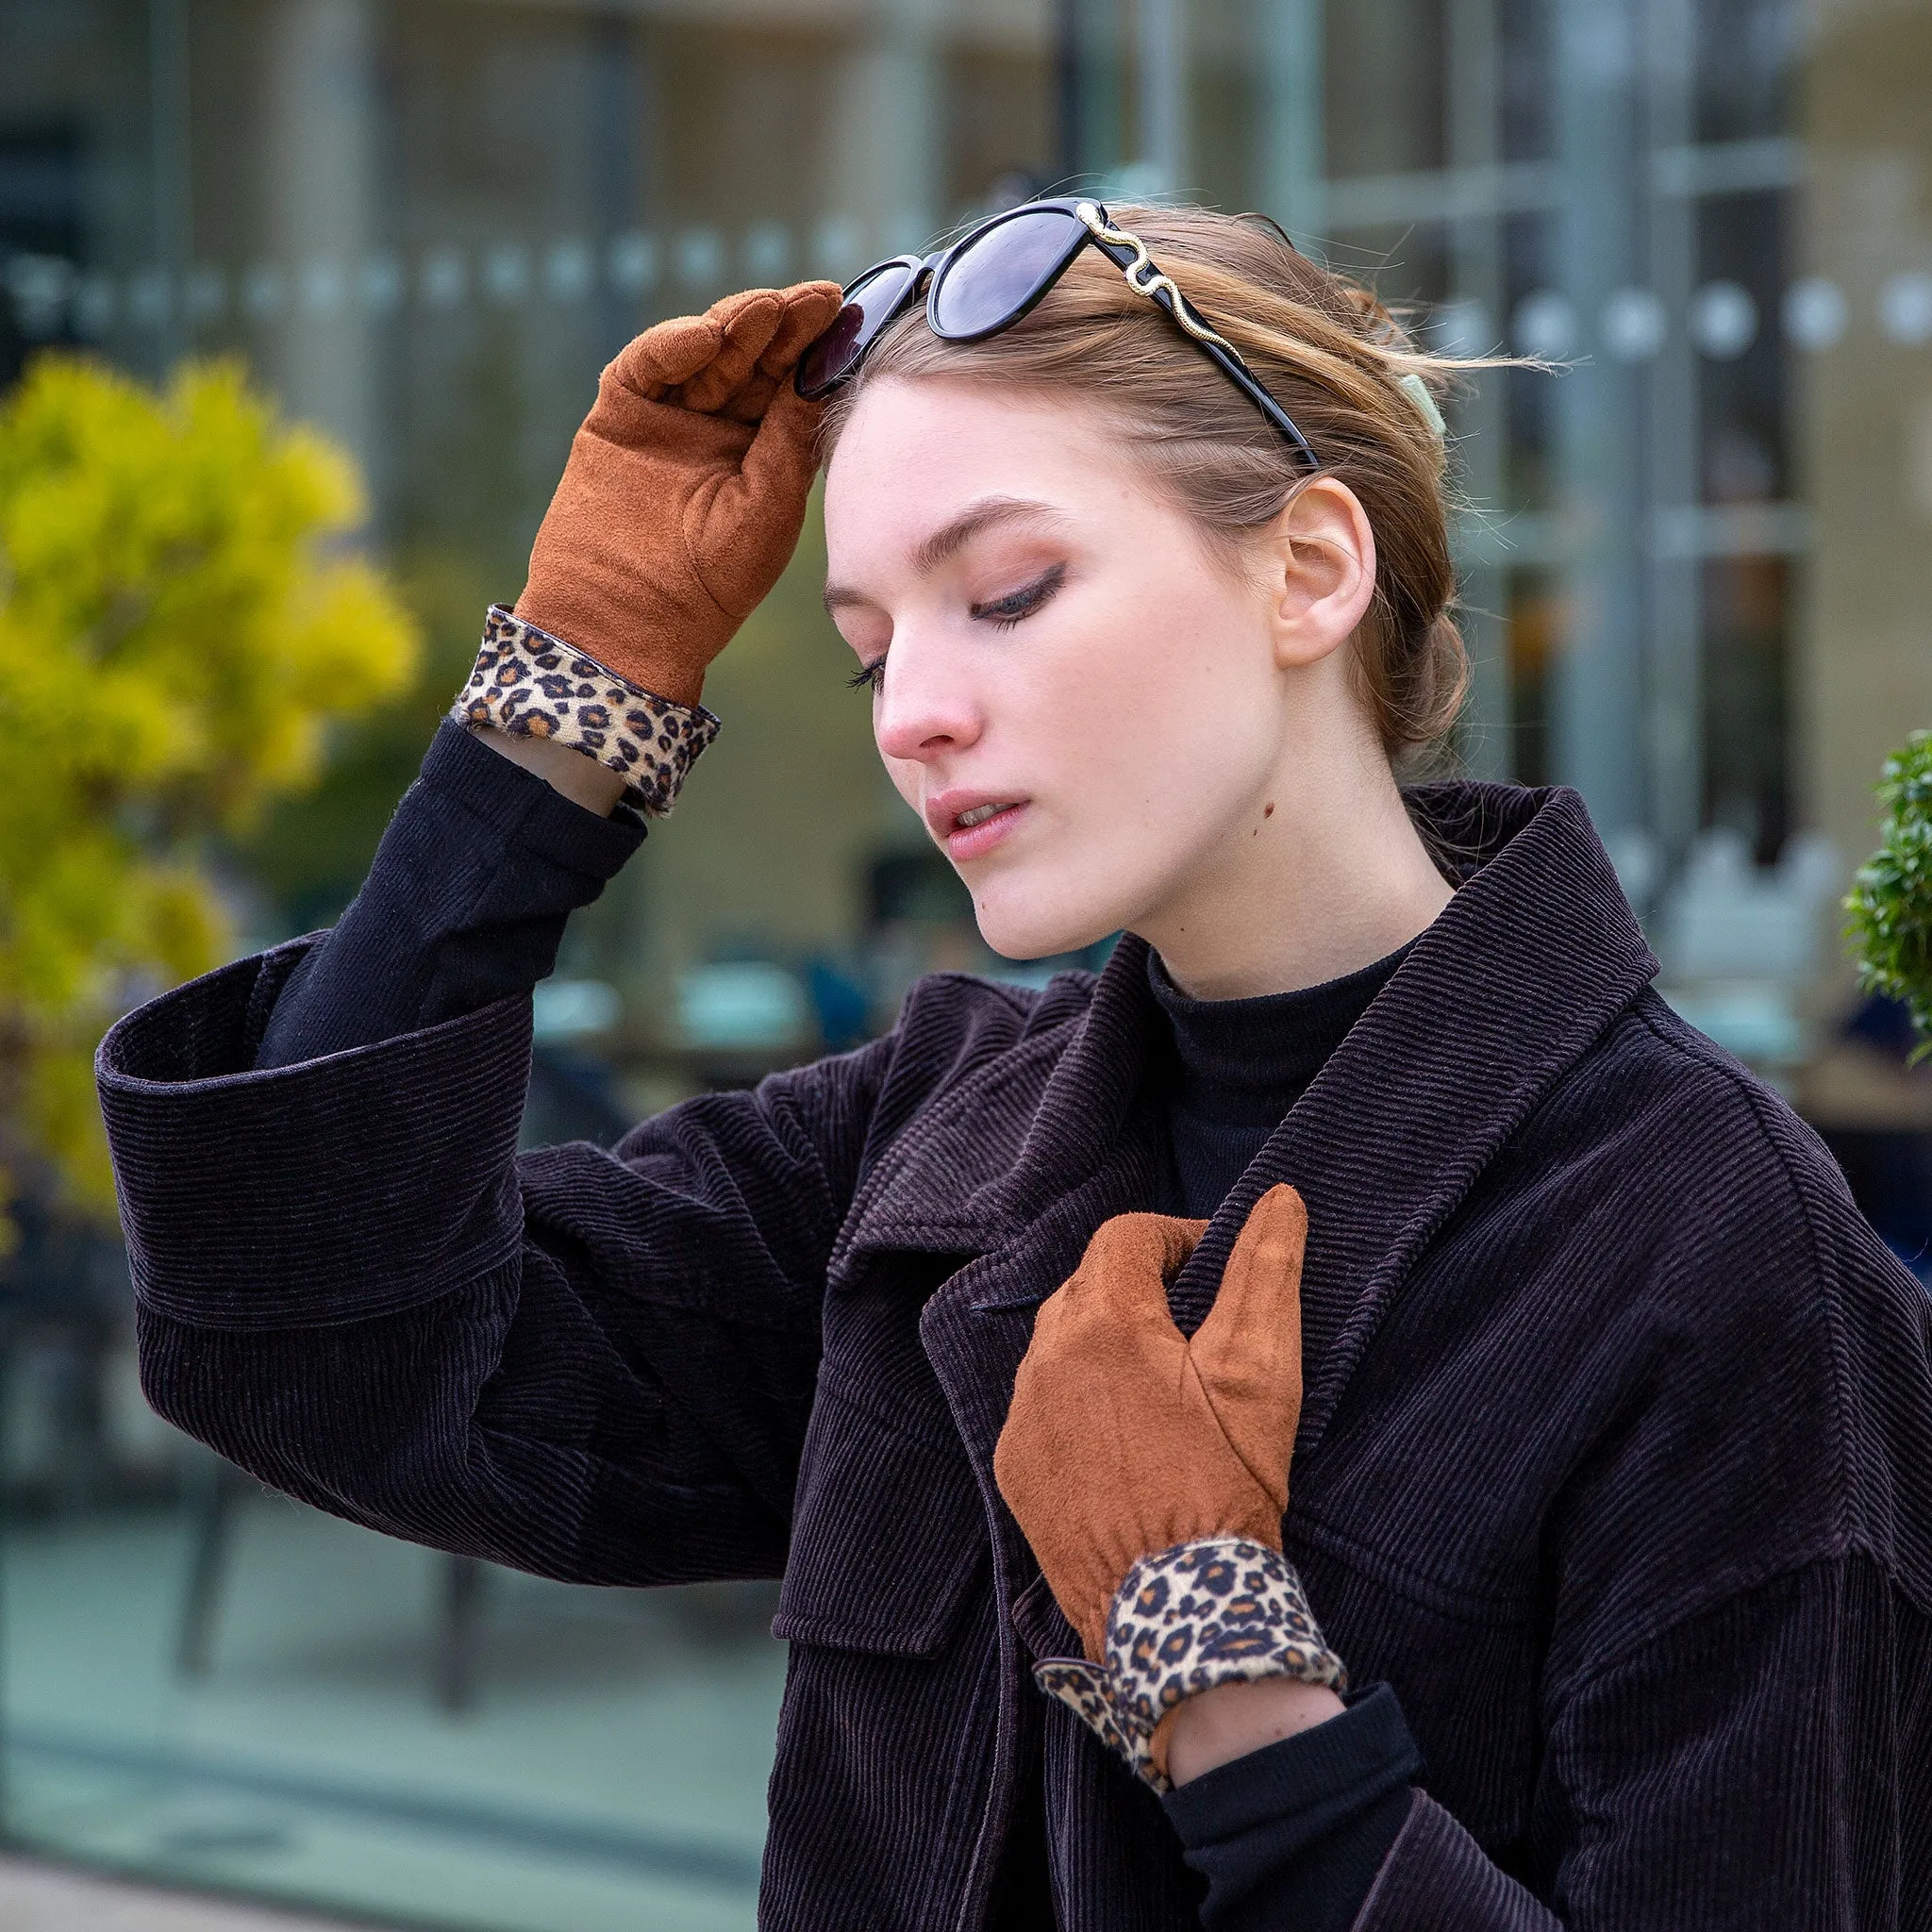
1164	693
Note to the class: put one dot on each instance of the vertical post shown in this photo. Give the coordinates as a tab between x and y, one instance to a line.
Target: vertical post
1294	147
1475	253
614	115
887	169
1673	722
321	200
171	169
1069	141
1164	92
1103	134
1597	680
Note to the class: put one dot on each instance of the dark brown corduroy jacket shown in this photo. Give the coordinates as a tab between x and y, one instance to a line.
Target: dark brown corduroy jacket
1616	1458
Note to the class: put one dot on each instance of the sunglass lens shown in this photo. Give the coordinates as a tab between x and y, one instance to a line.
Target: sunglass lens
993	277
869	303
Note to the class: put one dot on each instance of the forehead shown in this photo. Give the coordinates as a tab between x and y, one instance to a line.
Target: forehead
914	452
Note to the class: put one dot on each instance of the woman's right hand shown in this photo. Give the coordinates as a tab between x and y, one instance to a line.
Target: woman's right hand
684	491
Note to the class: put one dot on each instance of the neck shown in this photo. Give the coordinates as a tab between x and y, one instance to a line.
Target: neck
1331	880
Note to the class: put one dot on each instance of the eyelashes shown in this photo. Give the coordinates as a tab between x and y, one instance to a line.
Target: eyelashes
1003	613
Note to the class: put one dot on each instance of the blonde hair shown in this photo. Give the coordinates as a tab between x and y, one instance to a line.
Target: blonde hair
1323	345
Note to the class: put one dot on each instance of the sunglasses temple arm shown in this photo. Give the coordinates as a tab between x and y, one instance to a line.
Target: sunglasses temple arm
1243	379
1223	360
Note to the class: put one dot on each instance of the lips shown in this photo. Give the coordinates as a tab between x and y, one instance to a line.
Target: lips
971	823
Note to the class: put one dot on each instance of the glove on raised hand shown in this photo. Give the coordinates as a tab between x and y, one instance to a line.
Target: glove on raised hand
1148	1470
684	491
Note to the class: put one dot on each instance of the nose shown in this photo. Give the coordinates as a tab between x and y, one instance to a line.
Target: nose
927	709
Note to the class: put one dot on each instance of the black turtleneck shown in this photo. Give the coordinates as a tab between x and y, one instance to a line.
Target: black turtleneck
1236	1068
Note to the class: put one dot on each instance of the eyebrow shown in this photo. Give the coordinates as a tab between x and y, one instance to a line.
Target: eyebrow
989	513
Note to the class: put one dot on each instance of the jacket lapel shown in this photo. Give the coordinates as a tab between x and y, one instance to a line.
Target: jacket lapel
983	1159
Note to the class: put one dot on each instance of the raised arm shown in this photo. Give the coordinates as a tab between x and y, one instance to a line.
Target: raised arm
595	1365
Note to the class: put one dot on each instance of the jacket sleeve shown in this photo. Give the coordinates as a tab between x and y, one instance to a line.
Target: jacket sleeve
1755	1767
1738	1772
593	1365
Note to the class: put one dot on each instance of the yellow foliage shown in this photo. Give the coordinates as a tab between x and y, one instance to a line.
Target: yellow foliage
182	619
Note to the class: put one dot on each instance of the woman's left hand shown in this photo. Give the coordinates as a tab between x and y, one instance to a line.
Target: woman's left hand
1126	1437
1128	1441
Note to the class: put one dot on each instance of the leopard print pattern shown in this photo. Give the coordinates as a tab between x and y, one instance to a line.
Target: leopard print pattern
1221	1611
528	682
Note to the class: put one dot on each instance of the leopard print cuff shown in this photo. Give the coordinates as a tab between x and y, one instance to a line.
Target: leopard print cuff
535	685
1222	1612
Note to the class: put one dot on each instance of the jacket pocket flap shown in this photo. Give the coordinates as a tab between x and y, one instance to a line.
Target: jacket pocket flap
888	1537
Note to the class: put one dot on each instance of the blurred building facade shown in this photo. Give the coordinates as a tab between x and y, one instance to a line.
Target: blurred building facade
1694	563
1697	568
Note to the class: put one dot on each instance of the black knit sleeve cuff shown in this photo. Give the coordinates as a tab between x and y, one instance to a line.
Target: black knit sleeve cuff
533	685
1296	1833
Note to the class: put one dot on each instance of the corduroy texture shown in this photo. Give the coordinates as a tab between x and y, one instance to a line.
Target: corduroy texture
1125	1437
685	489
1615	1457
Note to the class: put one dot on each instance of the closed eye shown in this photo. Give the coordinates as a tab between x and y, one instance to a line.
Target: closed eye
1003	613
869	677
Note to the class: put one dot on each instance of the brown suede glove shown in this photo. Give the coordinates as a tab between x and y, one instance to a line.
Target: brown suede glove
1149	1471
1125	1437
685	489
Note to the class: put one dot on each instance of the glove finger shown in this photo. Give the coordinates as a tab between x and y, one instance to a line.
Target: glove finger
749	401
1248	1352
667	354
1132	1258
742	526
810	310
681	350
801	324
779	465
765	336
747	333
1116	1299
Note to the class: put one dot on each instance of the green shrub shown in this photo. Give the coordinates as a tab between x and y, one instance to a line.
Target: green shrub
1891	902
181	622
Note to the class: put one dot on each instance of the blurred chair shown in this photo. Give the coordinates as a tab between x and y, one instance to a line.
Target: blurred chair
214	1490
1874	1109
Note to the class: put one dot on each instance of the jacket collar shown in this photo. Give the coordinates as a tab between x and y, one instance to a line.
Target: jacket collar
1524	969
985	1158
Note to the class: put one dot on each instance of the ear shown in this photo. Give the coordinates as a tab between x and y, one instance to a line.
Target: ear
1319	560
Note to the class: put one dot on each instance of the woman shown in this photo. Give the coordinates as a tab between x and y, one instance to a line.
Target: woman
1609	1489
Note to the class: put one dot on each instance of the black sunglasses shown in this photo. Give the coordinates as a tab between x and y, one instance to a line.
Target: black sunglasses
989	278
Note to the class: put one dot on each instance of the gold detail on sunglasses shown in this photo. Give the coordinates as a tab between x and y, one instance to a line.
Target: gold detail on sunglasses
1145	278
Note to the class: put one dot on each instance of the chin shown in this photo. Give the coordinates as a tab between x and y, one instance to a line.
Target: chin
1037	920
